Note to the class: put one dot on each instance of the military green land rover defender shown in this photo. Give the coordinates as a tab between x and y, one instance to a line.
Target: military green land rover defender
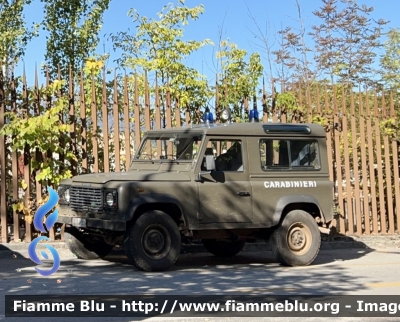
224	184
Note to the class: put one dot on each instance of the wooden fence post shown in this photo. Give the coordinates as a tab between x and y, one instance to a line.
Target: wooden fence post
358	224
371	165
95	148
3	164
349	190
84	155
137	116
364	169
147	121
379	159
338	159
14	160
104	110
388	174
72	121
117	145
127	126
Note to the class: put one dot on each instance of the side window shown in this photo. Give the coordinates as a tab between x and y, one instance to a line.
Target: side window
274	154
289	154
304	154
227	154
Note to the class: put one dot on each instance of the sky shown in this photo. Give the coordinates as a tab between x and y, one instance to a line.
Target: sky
235	18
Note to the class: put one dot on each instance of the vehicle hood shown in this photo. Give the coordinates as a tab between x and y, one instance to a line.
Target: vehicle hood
131	176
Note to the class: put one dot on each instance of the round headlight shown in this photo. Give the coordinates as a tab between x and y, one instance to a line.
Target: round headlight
226	115
109	199
66	195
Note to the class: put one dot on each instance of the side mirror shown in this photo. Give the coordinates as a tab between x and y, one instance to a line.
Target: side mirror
210	163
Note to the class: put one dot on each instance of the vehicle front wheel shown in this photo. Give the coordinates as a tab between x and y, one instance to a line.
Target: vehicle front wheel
85	246
296	242
223	248
153	242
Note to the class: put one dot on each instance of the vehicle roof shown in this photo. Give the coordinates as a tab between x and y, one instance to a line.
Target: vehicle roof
248	129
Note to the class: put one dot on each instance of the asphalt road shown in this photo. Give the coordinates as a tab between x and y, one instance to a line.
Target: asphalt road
345	271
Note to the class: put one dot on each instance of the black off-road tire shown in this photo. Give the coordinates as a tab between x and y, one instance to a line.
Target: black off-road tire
86	246
223	248
153	242
296	242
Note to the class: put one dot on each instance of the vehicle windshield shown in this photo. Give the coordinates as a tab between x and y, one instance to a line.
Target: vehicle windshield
171	146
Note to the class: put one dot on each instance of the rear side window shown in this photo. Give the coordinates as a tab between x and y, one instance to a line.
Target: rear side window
289	155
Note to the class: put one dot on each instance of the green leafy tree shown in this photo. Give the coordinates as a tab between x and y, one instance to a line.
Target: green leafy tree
390	61
14	37
238	78
95	76
41	132
73	28
390	82
14	34
158	47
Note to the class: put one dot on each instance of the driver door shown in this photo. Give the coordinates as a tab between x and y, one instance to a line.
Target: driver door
225	193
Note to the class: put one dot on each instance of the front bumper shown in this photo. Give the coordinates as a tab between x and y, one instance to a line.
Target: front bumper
73	218
96	223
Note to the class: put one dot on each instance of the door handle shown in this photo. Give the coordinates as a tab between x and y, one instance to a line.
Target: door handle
243	193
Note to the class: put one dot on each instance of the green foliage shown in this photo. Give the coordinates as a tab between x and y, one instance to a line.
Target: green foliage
93	72
14	35
73	28
42	133
158	47
321	120
158	44
391	128
238	78
287	101
390	61
288	104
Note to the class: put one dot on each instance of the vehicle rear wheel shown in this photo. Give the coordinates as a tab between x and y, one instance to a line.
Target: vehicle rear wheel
296	242
223	248
86	246
153	242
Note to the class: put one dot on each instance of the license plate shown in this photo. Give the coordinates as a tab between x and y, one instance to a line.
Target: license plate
78	222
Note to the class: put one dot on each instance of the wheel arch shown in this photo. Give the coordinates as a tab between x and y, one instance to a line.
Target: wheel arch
165	203
301	202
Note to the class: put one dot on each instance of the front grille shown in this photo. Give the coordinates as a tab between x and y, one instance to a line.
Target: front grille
88	200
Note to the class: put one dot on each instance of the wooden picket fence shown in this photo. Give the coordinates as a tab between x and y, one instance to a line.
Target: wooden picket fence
364	157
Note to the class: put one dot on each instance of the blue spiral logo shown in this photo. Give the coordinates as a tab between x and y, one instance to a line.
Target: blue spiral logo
38	223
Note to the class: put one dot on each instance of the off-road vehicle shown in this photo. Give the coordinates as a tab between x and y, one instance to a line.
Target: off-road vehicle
221	184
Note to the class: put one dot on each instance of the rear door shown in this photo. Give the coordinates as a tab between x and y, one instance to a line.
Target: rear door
285	167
